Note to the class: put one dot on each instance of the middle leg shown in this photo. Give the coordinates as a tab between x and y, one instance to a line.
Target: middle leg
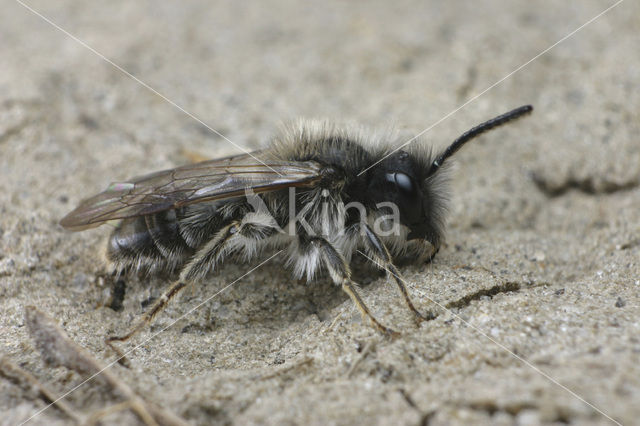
341	275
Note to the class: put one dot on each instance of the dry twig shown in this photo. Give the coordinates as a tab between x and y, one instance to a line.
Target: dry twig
58	349
29	382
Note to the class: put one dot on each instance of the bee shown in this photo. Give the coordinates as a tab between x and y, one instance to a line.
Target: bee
318	192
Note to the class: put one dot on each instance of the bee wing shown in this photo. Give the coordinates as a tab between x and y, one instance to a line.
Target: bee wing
195	183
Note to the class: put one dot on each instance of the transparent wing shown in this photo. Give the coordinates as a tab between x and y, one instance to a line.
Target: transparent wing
195	183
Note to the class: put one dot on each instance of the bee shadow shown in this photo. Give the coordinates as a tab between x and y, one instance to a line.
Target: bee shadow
269	297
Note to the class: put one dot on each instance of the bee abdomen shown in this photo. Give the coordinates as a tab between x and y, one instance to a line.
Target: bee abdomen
149	243
163	241
165	232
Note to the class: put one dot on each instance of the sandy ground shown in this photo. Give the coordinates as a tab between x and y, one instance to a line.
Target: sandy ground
541	268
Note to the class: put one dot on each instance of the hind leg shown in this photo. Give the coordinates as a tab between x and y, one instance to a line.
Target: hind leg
228	239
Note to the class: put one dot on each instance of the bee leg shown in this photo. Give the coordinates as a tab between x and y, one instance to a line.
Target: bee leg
201	263
145	319
382	257
341	275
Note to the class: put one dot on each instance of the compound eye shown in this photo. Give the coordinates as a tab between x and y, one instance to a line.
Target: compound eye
405	183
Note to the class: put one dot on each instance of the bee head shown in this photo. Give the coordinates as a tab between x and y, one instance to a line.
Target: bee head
403	180
413	182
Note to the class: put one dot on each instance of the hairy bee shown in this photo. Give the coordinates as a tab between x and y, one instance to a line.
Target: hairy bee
318	192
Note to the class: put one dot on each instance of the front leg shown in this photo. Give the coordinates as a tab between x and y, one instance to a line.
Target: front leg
340	274
381	256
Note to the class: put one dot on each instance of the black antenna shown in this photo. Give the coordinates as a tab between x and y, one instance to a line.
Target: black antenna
476	131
